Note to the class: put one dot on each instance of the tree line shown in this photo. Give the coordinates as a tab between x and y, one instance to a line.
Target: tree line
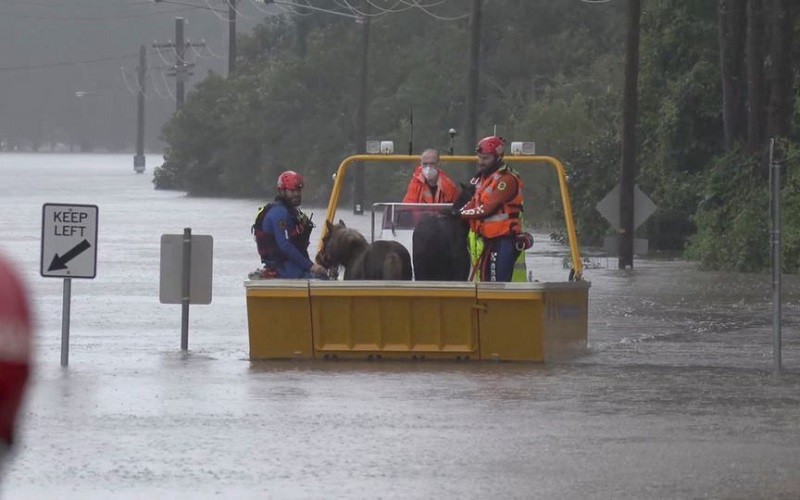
716	83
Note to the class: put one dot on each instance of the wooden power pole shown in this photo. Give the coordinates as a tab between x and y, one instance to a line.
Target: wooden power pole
231	37
181	68
361	113
629	114
470	135
138	160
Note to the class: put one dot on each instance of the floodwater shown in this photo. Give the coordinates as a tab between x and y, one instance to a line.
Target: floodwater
675	398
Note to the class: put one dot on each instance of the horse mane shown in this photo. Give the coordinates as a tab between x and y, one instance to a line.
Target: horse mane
346	242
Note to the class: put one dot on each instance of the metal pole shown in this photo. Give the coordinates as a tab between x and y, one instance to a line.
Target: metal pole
65	321
775	178
185	287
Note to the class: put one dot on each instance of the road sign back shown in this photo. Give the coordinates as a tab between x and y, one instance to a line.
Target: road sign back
643	207
69	241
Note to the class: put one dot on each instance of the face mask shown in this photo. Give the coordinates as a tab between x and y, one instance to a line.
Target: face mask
430	173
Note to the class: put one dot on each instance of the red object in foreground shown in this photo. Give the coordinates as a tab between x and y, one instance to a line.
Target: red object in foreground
15	347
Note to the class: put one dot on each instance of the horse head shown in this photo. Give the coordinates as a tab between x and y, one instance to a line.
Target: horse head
324	256
464	195
339	245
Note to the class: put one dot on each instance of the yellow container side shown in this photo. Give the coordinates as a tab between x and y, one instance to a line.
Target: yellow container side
279	320
484	321
510	322
566	322
393	320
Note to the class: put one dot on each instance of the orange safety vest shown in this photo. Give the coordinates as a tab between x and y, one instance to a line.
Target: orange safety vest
506	220
420	192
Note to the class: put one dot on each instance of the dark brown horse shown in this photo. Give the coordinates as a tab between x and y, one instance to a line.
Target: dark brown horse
380	260
440	243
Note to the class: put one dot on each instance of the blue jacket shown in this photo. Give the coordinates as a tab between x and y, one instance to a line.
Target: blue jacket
279	223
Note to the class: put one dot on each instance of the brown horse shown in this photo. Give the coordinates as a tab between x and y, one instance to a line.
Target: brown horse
380	260
440	243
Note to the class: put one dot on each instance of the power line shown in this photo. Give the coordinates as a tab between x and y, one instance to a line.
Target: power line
90	19
65	63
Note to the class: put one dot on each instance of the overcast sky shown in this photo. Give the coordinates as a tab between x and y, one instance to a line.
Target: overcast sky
51	49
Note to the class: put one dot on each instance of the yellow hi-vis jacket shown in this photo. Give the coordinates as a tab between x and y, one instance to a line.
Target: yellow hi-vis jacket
475	243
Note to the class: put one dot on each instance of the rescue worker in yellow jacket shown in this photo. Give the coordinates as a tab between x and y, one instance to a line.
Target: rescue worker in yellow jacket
494	212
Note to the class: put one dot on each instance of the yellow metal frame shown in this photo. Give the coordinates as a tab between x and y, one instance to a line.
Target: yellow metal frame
577	263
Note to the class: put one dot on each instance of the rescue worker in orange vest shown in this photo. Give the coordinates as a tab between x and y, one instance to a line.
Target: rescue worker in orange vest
16	344
495	210
429	183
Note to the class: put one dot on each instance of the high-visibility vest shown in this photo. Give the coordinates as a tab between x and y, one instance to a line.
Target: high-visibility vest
507	219
475	247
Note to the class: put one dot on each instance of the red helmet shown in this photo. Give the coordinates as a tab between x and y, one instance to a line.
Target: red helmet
290	180
491	145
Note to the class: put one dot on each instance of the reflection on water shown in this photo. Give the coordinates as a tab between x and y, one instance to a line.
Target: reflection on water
674	399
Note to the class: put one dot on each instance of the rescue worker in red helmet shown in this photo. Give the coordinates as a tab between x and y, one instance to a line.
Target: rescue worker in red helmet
429	183
495	210
16	341
283	233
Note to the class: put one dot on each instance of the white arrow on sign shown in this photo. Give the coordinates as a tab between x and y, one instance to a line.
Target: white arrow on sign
643	207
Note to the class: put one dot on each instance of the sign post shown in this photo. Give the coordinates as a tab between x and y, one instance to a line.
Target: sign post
643	208
186	273
69	250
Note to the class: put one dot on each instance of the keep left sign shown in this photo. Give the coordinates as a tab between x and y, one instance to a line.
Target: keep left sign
69	241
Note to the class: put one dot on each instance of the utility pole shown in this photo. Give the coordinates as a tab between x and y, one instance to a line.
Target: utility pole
471	112
138	160
361	114
181	68
629	114
231	25
180	63
231	37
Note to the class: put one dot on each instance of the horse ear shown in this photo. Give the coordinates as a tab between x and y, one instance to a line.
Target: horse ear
341	223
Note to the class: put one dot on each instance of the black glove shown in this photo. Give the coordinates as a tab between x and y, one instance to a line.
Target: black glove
451	213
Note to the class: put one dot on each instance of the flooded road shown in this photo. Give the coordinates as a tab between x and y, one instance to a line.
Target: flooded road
674	400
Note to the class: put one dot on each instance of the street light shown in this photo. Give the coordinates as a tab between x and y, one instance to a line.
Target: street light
452	133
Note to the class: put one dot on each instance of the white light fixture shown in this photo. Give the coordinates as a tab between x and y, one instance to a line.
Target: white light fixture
523	148
373	147
387	147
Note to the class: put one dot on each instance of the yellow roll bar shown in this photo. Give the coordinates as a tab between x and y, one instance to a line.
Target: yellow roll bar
577	262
